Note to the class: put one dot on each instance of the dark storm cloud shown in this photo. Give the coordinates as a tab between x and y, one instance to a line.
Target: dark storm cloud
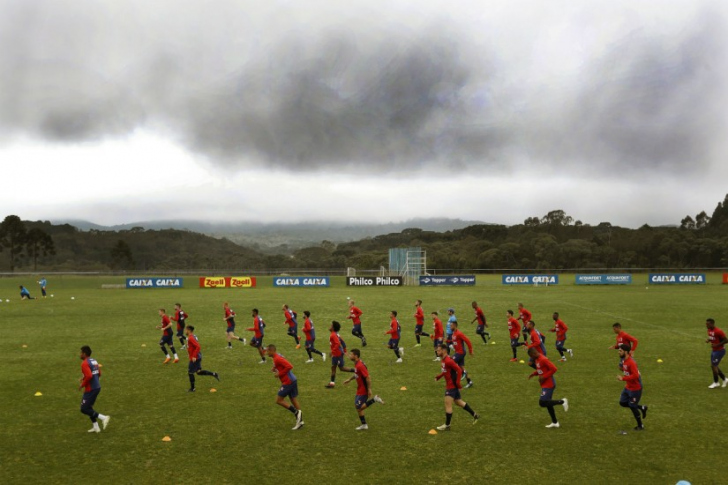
380	95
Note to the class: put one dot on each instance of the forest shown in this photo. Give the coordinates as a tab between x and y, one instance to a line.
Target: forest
554	241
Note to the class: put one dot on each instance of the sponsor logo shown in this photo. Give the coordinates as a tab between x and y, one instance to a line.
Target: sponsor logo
459	280
242	282
154	282
677	279
374	281
227	282
552	279
603	279
299	281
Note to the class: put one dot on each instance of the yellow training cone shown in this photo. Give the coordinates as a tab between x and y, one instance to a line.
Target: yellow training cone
38	393
166	438
659	361
402	388
492	343
144	345
521	362
213	390
25	346
432	431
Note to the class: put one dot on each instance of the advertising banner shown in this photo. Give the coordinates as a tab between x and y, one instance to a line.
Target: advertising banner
530	279
604	279
227	282
374	281
154	282
676	278
460	280
302	281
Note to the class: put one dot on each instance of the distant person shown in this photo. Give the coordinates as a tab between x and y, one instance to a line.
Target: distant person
91	387
394	333
458	339
43	283
337	353
289	385
292	322
438	333
482	322
448	327
180	316
258	330
25	294
524	316
355	316
419	322
310	333
514	329
624	338
560	329
195	365
364	398
632	392
230	330
545	370
452	373
166	327
717	341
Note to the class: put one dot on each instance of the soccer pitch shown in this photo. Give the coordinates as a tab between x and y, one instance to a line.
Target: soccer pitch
238	434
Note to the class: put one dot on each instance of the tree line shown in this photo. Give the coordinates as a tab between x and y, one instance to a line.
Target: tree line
553	241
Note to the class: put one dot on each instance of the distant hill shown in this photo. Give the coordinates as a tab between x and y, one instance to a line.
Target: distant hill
284	238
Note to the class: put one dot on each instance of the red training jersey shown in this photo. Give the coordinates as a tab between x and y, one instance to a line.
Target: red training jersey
451	372
361	372
631	375
256	327
480	316
91	373
439	331
419	316
193	347
545	369
716	336
535	341
458	338
290	319
166	321
335	343
283	369
354	314
560	328
308	328
514	327
524	315
625	338
229	316
179	316
394	329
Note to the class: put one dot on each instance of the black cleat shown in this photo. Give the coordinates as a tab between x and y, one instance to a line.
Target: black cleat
639	428
191	389
216	376
643	409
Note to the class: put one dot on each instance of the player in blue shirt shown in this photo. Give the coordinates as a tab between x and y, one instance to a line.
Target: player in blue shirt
448	328
43	283
25	294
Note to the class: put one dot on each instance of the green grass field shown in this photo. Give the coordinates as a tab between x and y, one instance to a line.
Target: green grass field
238	433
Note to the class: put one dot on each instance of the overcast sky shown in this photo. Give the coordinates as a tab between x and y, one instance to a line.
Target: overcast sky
121	111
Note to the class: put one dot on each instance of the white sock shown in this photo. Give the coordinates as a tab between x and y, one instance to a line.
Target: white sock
175	356
101	416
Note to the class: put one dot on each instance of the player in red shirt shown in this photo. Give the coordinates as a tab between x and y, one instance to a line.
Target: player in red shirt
259	329
459	340
545	371
482	323
355	317
91	387
289	385
632	392
337	353
514	328
452	373
363	397
195	365
438	333
419	322
560	328
536	341
180	316
166	327
230	331
717	341
292	322
524	316
393	332
310	333
624	338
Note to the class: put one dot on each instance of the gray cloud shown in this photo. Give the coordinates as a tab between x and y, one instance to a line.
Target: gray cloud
246	87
